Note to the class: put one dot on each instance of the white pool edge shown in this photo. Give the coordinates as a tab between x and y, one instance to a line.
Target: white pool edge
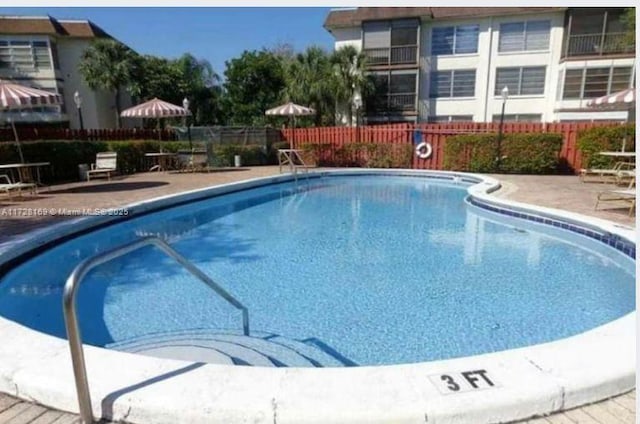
535	380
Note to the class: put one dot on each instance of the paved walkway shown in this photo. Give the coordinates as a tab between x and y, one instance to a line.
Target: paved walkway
564	192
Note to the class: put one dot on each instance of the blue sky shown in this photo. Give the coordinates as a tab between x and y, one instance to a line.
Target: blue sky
215	34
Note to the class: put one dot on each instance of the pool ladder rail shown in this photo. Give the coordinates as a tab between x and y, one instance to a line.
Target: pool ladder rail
71	318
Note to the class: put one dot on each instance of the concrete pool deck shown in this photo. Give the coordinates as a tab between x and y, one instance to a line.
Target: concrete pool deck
564	192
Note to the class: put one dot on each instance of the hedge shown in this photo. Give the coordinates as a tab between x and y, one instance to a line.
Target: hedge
598	139
365	155
522	153
65	156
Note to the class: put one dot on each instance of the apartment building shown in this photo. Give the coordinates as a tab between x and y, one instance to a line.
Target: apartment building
442	64
44	52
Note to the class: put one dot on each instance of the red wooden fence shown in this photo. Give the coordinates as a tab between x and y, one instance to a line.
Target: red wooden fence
436	135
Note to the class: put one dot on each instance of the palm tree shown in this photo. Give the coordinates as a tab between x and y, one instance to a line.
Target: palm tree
200	84
350	77
108	65
309	82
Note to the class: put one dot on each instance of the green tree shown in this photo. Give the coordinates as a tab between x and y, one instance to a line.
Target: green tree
173	80
156	77
110	66
629	21
201	85
254	82
350	77
310	82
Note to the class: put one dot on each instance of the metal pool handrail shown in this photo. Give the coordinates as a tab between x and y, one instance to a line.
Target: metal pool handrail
71	318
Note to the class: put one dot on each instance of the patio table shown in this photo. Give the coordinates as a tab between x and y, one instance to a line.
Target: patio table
24	171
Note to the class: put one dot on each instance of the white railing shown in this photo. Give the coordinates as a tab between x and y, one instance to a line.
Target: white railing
598	44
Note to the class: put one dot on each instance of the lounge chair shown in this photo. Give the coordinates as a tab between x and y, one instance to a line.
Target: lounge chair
7	186
105	165
619	172
627	195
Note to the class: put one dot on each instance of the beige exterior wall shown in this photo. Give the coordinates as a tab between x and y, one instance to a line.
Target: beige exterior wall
98	107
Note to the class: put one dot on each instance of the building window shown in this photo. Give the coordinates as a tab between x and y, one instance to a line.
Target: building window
395	91
454	40
519	117
440	119
596	82
24	55
521	81
391	42
455	83
596	32
524	36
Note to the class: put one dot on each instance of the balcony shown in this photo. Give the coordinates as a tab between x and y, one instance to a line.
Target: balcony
598	44
395	55
396	102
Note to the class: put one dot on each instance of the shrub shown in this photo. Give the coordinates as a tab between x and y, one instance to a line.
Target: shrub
65	156
522	153
598	139
367	155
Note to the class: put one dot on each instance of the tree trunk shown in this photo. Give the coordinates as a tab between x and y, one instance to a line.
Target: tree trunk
118	123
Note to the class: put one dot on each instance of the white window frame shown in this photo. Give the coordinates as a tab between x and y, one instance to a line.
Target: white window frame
451	85
524	39
584	80
521	68
455	39
34	67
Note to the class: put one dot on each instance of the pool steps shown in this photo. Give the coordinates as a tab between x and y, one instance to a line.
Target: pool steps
212	346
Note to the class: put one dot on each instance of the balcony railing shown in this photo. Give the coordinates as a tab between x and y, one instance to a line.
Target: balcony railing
395	55
403	102
396	102
598	44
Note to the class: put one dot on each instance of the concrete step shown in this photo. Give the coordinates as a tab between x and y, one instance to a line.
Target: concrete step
220	347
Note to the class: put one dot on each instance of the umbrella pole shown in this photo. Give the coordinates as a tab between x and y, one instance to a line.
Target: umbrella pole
15	134
160	134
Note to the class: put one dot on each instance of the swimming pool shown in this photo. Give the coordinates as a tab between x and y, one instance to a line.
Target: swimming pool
275	239
364	270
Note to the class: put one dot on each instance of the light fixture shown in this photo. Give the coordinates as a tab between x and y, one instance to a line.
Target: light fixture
77	99
357	101
505	93
185	103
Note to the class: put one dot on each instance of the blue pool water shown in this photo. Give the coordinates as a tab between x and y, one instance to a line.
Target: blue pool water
376	269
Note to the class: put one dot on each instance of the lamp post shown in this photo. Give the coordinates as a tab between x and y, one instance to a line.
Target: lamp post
78	101
505	95
185	104
357	103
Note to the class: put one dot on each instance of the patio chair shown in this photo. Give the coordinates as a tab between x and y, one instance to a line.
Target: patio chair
105	165
8	186
619	172
627	195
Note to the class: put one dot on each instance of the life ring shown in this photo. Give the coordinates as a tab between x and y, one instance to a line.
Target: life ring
424	150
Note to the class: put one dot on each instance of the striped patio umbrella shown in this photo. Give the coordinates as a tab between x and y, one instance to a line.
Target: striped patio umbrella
16	96
625	99
291	110
621	98
155	108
